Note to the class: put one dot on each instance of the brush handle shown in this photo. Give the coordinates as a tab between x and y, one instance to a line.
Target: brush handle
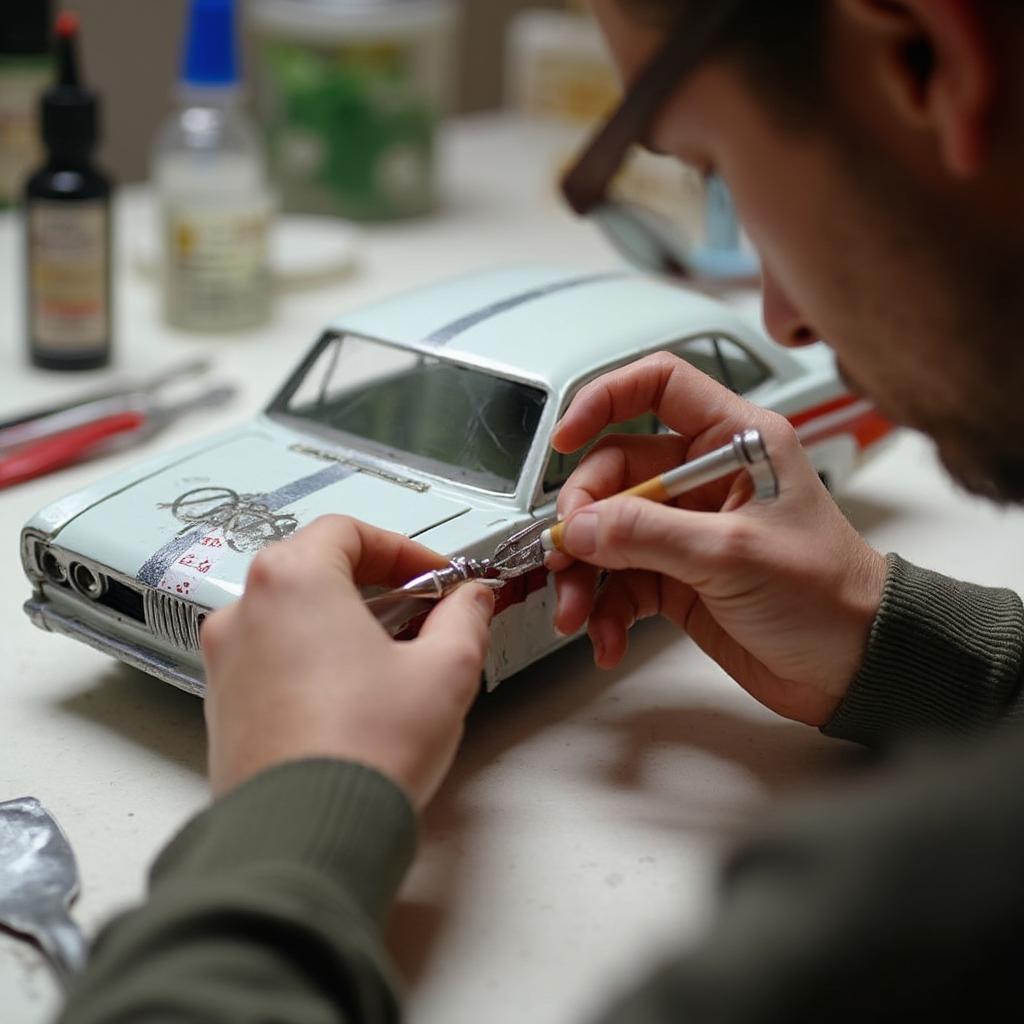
653	490
745	451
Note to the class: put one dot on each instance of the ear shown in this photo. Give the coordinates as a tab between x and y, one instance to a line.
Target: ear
936	63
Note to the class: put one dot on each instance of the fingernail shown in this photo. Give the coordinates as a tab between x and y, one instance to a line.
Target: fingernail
557	561
598	650
581	533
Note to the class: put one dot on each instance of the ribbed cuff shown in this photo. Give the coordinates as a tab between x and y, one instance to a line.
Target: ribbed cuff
943	657
341	819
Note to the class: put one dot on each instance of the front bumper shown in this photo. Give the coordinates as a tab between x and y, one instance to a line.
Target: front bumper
46	616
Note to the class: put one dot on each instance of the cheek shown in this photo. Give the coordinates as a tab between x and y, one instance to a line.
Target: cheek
816	268
786	229
821	245
786	194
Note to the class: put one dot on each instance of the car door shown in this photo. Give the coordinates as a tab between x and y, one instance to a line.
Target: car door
529	626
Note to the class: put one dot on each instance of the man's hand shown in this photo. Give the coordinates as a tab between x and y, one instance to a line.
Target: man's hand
300	668
781	595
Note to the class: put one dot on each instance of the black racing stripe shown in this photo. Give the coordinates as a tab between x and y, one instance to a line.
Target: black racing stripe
445	334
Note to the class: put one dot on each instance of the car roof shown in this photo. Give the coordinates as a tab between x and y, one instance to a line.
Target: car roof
549	324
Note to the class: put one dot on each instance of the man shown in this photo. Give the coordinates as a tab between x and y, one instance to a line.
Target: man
874	151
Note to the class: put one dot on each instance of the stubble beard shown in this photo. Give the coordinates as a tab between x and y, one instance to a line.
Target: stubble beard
962	314
988	467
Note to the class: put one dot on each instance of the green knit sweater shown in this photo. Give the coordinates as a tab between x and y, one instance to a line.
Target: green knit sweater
868	906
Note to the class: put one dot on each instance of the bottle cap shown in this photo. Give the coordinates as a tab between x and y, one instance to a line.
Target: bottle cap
70	111
210	59
25	27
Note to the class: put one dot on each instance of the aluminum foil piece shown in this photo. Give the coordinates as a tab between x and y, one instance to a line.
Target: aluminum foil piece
38	884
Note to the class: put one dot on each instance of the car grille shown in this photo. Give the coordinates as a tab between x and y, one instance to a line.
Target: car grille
173	620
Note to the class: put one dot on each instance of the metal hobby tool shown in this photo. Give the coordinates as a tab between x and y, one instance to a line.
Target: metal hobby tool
526	550
397	608
39	443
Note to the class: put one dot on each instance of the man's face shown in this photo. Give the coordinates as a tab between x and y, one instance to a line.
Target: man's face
866	243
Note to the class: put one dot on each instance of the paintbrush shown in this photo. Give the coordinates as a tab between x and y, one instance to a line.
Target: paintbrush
746	451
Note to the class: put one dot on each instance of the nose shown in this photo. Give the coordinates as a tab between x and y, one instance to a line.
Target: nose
782	319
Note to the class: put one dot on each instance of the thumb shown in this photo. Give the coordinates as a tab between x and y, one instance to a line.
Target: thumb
460	626
635	533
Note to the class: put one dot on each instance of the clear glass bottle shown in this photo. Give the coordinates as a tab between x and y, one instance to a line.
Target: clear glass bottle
215	205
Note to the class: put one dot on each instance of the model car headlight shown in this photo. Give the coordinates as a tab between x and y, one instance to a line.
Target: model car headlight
40	561
87	581
53	568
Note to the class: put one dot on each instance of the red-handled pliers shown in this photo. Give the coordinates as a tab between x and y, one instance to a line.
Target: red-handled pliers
127	426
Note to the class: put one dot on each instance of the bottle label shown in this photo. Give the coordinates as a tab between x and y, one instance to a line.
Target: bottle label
68	252
217	269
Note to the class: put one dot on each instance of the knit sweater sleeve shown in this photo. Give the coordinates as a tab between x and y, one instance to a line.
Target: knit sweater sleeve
267	906
943	656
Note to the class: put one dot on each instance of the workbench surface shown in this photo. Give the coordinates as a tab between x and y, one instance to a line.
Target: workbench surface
578	835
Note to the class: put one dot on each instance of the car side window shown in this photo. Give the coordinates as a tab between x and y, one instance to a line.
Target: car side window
720	357
561	466
726	360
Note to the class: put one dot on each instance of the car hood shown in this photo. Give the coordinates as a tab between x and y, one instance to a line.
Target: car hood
193	527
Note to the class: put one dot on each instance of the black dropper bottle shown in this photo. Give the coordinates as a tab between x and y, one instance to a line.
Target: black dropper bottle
68	229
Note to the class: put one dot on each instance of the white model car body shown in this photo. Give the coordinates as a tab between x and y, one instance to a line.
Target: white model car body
438	428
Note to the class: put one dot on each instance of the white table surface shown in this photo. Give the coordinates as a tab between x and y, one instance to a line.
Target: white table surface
578	834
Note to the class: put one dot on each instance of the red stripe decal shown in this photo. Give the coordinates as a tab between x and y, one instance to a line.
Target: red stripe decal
832	405
519	589
867	427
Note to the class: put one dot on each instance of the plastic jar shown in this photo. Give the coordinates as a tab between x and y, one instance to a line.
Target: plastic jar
350	93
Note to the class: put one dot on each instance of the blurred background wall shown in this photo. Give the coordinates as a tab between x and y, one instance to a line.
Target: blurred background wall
131	56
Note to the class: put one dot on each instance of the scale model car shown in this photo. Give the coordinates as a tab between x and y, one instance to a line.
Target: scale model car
429	414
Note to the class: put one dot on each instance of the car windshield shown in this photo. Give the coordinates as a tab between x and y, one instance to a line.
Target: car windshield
466	425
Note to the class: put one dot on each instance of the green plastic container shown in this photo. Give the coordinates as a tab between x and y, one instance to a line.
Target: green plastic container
350	94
